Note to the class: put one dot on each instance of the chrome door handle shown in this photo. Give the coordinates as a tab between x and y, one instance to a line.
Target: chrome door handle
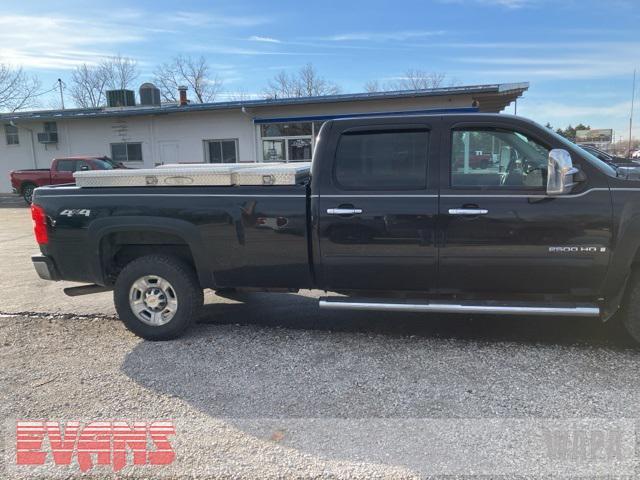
344	211
468	211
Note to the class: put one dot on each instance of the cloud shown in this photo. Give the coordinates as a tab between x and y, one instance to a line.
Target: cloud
235	50
510	4
585	60
258	38
561	114
381	36
62	42
202	19
570	111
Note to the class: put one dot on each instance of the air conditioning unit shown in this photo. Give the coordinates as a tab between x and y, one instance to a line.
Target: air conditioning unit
121	98
149	94
46	137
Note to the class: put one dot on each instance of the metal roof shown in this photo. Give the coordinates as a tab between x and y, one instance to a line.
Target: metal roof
492	98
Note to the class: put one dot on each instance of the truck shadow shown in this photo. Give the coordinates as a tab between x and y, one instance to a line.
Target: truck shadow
276	363
298	312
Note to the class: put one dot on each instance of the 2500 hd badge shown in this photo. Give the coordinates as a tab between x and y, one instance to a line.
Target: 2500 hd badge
581	249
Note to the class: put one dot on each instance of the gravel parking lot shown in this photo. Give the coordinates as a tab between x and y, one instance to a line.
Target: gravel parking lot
269	386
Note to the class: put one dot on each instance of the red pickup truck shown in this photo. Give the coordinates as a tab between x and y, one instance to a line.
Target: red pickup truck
24	182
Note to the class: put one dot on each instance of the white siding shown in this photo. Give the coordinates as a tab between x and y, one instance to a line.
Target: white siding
181	132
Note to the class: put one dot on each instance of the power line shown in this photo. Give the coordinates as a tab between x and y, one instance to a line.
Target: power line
633	98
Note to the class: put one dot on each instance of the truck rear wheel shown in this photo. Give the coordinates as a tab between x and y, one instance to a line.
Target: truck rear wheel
157	297
630	313
27	192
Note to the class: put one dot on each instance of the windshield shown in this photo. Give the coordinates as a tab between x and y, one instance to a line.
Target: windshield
103	164
592	159
597	153
111	162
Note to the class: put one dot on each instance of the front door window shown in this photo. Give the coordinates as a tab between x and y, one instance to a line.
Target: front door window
497	159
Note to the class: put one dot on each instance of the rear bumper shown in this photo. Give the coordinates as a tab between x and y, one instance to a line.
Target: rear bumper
45	267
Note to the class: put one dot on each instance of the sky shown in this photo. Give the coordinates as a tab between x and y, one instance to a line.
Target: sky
578	55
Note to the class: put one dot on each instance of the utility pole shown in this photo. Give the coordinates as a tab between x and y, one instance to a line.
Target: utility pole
633	98
61	95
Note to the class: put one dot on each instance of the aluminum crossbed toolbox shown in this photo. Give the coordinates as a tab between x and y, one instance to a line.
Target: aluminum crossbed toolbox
214	165
283	174
200	175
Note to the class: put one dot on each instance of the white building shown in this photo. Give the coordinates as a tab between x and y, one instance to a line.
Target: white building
245	131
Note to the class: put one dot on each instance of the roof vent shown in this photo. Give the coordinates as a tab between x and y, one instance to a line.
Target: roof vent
121	98
149	94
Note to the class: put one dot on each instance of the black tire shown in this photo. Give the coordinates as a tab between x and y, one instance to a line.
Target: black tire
630	311
184	288
27	192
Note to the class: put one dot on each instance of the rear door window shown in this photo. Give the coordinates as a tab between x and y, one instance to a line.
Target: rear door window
66	165
382	160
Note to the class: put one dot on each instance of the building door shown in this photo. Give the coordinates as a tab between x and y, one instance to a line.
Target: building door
169	152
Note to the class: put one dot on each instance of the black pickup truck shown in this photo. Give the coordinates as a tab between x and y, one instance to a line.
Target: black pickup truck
471	213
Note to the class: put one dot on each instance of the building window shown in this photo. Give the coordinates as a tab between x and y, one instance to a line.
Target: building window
11	134
273	150
221	151
50	127
288	142
126	152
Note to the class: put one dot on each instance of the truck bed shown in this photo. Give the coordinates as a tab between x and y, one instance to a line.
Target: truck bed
252	236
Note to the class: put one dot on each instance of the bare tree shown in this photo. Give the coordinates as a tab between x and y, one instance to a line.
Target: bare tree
191	72
372	86
17	89
282	85
120	72
305	83
419	80
412	79
313	85
239	96
88	84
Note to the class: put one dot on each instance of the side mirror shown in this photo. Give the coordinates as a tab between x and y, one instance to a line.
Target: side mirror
84	168
560	173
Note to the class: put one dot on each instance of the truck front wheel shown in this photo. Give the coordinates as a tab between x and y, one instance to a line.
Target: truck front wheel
157	297
27	192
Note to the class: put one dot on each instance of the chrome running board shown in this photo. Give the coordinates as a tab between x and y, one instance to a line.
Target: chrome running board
494	308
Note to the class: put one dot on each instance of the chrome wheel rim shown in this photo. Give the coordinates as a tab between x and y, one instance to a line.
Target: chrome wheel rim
28	194
153	300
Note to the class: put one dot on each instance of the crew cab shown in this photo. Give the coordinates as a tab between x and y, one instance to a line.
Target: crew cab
24	182
397	214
